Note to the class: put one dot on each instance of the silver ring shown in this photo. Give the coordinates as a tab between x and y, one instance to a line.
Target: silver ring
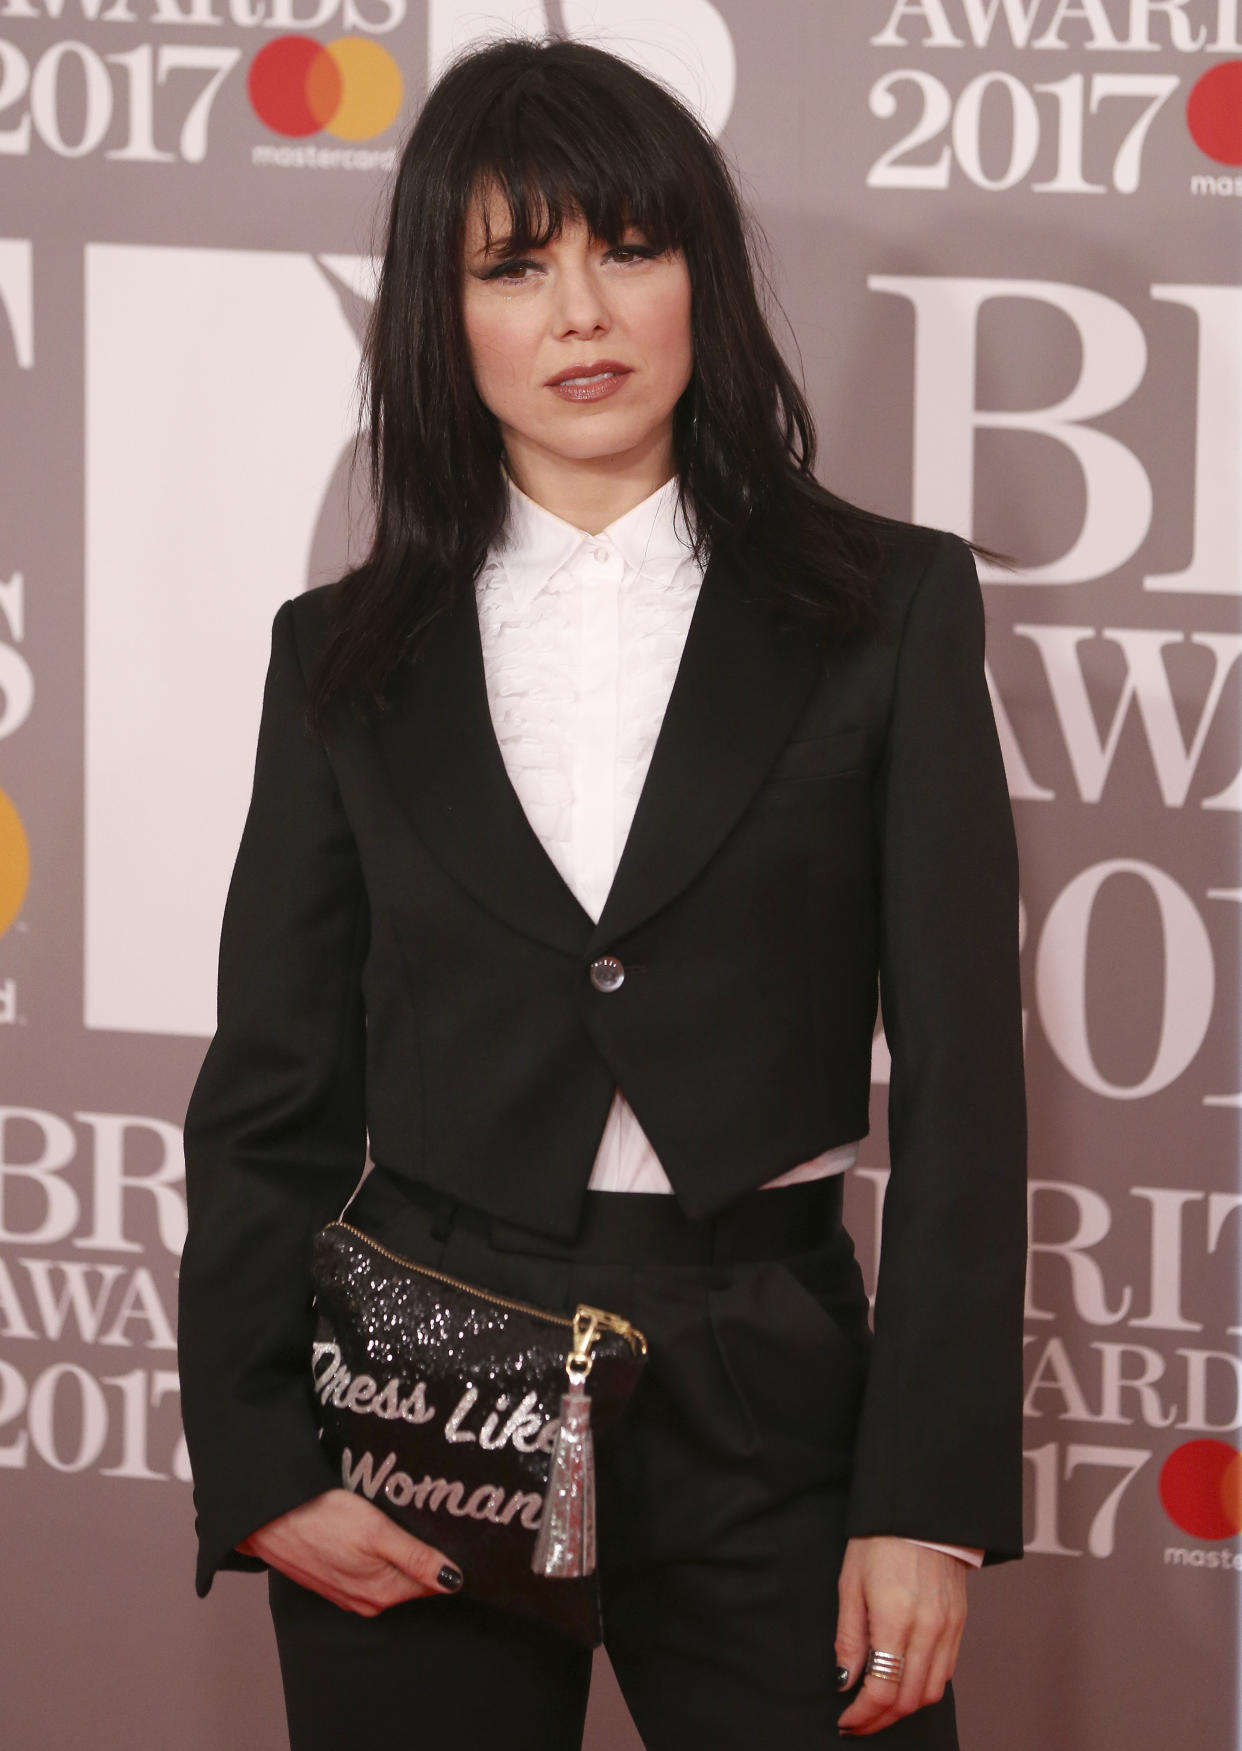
886	1666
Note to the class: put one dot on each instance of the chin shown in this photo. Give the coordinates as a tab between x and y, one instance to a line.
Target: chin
598	438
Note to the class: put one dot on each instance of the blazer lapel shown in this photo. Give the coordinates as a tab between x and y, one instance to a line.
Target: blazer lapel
443	761
741	686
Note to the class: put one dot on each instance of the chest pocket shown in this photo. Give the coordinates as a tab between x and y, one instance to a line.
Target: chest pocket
812	758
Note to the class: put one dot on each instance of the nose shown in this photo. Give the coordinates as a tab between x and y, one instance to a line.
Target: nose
580	307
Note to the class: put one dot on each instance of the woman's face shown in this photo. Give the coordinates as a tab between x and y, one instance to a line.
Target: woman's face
580	350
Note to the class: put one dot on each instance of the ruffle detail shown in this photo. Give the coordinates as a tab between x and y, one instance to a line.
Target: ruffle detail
536	657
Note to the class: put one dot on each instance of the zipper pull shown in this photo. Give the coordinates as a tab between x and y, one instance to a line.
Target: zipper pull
588	1323
613	1322
581	1354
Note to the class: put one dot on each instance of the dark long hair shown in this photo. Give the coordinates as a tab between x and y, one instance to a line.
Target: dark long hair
564	130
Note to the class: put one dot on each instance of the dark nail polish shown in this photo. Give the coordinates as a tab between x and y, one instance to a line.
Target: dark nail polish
843	1678
450	1577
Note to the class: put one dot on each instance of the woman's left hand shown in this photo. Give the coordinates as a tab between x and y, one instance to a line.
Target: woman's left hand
903	1599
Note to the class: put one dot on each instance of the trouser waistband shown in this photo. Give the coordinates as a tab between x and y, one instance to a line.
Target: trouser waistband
634	1227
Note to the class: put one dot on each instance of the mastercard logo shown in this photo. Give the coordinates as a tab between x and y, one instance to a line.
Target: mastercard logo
1201	1489
1214	113
351	88
14	863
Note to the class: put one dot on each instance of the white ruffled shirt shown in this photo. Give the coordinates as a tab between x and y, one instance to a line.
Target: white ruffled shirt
582	637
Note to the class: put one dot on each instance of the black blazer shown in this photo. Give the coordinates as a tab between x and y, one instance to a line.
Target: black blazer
400	958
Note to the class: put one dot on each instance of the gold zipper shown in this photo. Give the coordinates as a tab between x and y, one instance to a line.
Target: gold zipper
585	1324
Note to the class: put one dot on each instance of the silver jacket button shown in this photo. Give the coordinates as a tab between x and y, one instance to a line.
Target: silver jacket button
607	973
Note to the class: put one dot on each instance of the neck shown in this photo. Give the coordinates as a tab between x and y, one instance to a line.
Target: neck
593	493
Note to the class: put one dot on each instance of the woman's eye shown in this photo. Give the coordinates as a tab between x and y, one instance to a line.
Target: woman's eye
509	272
517	273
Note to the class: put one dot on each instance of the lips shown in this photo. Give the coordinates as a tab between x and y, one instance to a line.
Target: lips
577	375
594	381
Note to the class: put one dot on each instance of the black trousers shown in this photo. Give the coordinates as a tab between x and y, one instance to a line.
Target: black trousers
721	1497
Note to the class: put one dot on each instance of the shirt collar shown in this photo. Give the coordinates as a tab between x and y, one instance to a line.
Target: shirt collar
537	543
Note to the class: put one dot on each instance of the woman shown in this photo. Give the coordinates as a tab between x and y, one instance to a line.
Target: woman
607	606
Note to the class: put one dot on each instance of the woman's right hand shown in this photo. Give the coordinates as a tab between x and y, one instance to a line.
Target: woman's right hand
347	1549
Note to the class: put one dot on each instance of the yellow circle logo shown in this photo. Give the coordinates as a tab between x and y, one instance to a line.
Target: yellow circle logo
14	863
370	89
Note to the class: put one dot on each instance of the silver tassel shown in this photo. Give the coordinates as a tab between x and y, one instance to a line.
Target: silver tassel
565	1546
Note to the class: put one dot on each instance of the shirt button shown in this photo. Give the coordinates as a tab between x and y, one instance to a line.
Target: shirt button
601	555
607	973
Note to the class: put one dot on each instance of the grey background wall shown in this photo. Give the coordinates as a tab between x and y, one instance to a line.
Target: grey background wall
1007	237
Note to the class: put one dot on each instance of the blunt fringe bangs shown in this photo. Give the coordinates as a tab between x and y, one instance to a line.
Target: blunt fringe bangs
560	131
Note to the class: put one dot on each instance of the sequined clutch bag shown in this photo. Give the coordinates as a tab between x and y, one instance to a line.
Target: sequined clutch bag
467	1417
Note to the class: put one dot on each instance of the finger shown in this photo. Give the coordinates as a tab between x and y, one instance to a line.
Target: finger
944	1660
912	1692
886	1626
421	1563
881	1701
873	1707
938	1675
347	1589
851	1638
392	1586
370	1586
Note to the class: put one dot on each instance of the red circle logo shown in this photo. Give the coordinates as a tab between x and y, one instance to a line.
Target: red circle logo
352	87
1201	1489
1214	112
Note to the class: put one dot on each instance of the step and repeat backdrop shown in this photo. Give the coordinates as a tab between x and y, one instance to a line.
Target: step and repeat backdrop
1007	236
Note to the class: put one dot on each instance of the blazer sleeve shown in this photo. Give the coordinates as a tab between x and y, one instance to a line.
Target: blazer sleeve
275	1133
939	1453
